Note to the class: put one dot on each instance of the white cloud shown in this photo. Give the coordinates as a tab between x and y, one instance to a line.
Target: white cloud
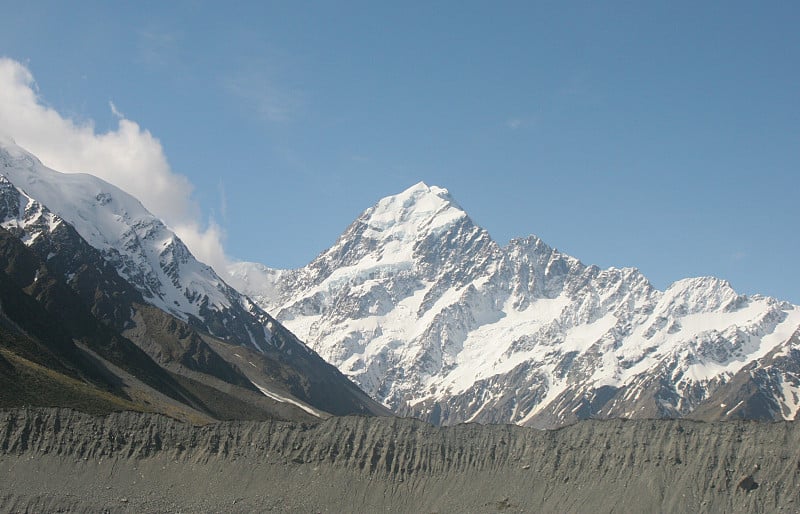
128	157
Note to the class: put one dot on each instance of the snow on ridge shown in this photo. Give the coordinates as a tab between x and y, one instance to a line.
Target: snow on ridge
145	251
254	279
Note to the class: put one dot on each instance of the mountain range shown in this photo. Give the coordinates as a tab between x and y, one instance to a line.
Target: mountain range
430	316
415	309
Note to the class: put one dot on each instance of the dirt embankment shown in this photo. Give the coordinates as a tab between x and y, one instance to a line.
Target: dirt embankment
53	459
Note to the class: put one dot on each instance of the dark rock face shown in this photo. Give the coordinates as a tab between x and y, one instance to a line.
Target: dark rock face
387	464
49	317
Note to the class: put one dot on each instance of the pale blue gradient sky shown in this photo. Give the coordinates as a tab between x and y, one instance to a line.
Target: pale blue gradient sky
660	135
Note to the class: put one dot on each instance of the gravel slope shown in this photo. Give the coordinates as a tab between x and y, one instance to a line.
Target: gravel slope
56	459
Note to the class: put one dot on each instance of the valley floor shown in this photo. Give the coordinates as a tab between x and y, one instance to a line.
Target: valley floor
61	460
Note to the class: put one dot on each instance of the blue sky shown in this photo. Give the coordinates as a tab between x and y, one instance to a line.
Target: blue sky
663	136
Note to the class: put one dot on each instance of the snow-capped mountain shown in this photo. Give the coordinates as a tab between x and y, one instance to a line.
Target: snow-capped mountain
143	250
429	315
115	258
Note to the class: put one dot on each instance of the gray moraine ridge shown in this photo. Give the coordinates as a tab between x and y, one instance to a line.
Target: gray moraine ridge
61	460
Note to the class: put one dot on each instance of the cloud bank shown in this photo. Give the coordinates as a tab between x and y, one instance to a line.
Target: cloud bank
128	157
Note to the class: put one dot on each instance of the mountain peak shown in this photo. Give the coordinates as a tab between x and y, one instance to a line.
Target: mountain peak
418	208
11	154
422	188
429	315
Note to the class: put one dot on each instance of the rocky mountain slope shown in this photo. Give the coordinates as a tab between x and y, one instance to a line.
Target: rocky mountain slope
430	316
116	269
61	460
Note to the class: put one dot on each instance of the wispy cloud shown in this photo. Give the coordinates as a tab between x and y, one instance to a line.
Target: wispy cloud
516	123
223	201
739	256
361	159
129	157
115	111
156	46
576	84
263	96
